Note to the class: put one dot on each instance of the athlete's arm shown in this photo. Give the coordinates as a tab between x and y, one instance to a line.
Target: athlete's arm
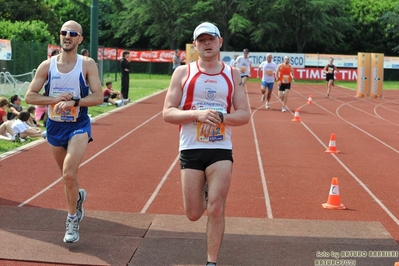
33	96
241	113
175	115
93	80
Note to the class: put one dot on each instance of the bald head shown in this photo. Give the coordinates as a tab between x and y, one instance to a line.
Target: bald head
72	25
269	58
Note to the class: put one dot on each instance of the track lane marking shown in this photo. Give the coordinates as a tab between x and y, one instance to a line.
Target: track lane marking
88	160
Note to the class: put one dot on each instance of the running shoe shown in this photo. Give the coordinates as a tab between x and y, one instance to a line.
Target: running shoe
263	98
16	138
44	134
126	101
72	231
80	211
283	109
267	105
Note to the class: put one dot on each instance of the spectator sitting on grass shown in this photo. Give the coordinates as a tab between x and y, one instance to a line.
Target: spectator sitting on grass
3	114
15	107
6	132
32	120
23	130
110	95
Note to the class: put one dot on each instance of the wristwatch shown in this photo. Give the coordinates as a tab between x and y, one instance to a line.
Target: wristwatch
221	116
76	101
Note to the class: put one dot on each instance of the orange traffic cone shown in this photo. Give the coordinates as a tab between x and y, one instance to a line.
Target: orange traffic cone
296	116
332	148
334	200
310	99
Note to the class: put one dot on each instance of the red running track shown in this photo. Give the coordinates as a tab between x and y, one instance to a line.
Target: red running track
280	169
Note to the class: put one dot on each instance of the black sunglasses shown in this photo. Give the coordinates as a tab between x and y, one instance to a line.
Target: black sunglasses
72	33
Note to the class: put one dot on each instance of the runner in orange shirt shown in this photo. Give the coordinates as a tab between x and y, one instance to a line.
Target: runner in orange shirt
284	77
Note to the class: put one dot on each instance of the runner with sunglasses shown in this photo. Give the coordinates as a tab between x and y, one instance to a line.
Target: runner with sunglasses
68	80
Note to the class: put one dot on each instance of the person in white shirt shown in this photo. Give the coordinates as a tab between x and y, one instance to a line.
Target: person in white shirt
233	60
205	99
268	68
22	129
244	64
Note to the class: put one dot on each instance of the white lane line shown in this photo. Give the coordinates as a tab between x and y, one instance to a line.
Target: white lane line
88	160
261	169
158	188
372	195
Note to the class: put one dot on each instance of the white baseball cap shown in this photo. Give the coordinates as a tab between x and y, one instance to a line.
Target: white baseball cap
206	28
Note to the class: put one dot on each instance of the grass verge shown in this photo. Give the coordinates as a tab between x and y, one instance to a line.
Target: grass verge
141	86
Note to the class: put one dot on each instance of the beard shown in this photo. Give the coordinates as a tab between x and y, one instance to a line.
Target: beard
69	48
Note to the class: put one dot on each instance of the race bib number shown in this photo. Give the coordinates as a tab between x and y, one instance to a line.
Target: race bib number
68	115
330	70
286	79
269	72
218	133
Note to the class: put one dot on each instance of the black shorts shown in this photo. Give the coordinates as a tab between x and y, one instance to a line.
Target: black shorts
200	159
285	86
329	77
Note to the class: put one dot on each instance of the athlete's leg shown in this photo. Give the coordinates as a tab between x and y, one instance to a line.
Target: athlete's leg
218	176
193	185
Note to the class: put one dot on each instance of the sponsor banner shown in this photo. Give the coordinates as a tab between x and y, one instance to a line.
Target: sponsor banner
321	60
313	73
376	75
5	49
363	72
159	56
296	60
156	56
391	62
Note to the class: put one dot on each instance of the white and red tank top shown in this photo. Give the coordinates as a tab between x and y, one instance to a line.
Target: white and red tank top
202	91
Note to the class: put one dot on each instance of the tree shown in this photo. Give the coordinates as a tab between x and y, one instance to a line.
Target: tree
294	25
25	31
78	10
27	10
371	34
163	22
230	16
391	22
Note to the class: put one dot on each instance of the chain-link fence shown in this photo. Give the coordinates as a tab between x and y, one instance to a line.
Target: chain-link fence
26	56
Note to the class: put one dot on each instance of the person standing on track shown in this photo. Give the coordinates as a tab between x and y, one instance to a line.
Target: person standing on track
68	79
330	70
199	99
284	77
268	68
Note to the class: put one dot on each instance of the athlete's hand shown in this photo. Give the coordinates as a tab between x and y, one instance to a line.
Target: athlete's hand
210	117
64	105
206	130
65	96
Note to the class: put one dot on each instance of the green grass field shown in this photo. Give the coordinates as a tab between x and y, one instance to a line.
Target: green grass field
142	85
